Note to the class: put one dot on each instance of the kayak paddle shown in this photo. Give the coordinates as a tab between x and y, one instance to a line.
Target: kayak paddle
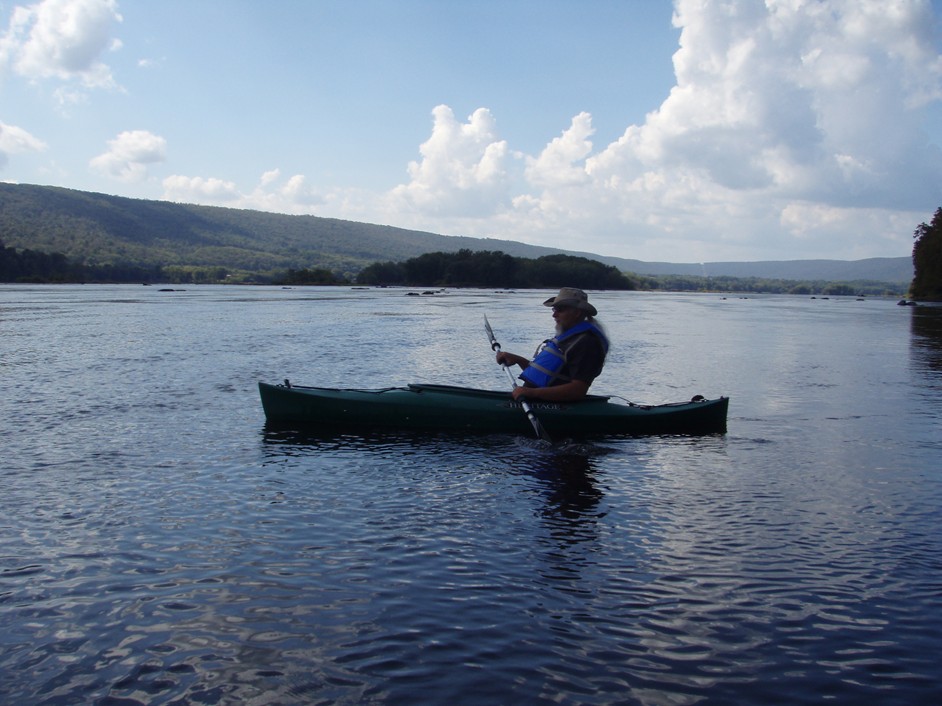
537	427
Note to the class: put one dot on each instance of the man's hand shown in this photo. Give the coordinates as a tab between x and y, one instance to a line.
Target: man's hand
508	359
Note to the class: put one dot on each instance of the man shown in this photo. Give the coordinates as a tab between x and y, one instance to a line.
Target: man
564	366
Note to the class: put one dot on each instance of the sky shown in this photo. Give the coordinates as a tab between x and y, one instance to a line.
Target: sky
684	131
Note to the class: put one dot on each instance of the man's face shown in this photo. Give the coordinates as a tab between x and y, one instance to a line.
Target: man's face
566	317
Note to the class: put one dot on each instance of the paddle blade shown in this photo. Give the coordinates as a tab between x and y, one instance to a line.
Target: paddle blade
538	428
495	346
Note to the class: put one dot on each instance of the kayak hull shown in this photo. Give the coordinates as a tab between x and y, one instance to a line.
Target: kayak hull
459	409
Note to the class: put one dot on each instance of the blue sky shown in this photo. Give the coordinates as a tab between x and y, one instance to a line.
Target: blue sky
686	131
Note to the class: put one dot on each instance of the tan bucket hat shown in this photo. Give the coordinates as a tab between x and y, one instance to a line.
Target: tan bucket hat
570	296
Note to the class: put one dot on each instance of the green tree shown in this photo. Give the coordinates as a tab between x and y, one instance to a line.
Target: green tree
318	275
32	266
927	260
838	289
382	273
467	268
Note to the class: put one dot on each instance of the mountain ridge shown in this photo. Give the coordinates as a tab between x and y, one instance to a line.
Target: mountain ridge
98	228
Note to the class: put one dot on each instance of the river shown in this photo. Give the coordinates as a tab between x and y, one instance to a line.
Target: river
159	545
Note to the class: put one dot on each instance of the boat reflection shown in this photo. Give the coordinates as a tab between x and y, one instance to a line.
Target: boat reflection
568	479
563	473
282	439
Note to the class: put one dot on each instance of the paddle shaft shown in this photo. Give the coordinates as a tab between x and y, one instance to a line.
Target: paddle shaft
537	427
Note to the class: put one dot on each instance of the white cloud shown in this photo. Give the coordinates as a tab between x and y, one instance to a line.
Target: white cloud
794	125
463	167
199	190
16	140
270	177
129	155
62	39
270	194
771	98
562	162
298	192
293	195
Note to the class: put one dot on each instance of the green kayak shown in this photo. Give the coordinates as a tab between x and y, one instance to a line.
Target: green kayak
448	408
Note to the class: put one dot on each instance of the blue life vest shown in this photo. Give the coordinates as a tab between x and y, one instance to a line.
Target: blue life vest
544	369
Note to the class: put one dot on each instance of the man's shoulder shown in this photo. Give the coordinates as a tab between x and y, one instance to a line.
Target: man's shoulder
585	340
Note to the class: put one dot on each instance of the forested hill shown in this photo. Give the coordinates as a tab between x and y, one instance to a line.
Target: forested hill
101	229
98	229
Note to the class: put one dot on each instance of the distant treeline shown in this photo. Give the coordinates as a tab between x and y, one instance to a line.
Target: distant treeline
484	268
31	266
761	285
465	268
39	267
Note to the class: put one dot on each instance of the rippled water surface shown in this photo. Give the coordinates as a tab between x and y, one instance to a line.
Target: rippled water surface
159	545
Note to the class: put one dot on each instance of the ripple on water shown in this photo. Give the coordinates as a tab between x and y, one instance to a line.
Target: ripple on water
159	545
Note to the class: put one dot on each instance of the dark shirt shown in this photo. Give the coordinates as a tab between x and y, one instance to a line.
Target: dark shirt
585	356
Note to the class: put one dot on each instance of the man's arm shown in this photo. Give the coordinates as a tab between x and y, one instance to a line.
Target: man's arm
504	358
